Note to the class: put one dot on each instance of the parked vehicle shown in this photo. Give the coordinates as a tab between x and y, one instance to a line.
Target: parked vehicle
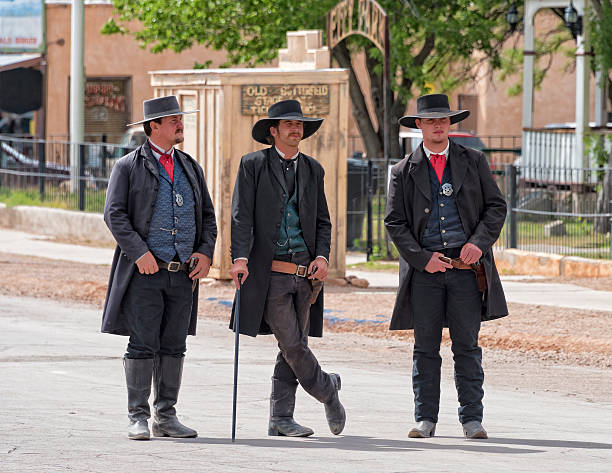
131	139
410	139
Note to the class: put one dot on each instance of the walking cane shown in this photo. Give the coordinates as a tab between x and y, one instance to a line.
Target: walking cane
237	330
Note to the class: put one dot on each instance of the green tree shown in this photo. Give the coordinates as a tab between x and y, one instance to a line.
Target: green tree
433	42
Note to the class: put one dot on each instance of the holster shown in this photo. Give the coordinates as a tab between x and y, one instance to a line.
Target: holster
481	277
478	268
316	289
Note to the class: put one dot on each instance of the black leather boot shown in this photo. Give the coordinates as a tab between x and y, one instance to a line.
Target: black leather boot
334	411
138	374
282	405
167	382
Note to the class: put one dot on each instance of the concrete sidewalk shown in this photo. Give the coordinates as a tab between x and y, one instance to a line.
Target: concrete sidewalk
64	409
516	288
21	243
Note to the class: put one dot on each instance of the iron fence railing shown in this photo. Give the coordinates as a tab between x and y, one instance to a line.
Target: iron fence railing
552	209
56	173
569	216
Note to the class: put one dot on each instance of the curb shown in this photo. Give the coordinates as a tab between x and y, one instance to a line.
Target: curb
56	222
512	261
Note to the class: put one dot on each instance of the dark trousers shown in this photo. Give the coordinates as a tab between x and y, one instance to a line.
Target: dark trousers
453	297
287	313
159	312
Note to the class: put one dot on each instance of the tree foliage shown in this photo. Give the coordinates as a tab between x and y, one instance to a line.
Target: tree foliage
601	19
432	42
559	40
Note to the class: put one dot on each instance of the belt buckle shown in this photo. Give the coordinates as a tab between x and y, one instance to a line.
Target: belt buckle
174	266
301	271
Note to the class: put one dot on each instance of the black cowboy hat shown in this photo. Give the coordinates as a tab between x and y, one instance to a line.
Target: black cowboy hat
284	110
161	107
433	106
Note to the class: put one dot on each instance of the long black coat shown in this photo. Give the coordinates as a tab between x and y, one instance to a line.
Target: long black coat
482	209
130	197
257	211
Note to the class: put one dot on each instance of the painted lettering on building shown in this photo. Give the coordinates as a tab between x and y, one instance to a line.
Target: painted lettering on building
105	94
314	98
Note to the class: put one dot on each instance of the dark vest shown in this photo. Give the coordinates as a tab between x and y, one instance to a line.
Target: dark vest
290	238
178	221
444	229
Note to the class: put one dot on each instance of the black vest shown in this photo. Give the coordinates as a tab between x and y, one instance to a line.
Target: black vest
444	229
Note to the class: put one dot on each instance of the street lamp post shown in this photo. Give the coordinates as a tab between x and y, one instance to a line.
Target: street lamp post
573	20
77	91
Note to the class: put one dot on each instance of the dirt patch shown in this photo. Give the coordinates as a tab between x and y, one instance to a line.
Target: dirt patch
568	336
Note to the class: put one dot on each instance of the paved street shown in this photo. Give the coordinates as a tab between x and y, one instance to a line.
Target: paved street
64	409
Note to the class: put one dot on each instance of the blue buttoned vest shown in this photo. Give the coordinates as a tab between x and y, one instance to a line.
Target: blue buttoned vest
290	238
444	229
172	228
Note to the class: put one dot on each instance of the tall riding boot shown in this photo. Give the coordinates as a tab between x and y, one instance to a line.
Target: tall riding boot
334	410
167	381
282	404
138	374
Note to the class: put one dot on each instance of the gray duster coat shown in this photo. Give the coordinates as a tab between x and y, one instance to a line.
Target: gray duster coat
130	197
257	211
482	209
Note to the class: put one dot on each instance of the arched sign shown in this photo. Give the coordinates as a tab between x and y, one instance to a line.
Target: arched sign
369	20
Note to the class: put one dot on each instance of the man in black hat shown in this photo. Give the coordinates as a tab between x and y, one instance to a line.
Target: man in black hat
444	213
281	235
160	212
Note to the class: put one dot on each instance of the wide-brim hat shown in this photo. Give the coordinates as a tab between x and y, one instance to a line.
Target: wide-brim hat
161	107
284	110
433	106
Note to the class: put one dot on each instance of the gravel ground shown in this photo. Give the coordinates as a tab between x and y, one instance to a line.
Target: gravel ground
537	347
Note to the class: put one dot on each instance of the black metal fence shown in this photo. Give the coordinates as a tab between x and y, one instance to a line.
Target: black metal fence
565	211
39	172
552	210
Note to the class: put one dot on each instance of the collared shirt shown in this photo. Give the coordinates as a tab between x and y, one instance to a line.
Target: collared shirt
429	152
156	154
282	155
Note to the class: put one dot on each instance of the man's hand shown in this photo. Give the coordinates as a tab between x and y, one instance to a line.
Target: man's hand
321	269
239	267
202	266
147	264
436	265
470	253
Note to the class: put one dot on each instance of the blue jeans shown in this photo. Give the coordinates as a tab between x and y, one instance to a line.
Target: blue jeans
450	298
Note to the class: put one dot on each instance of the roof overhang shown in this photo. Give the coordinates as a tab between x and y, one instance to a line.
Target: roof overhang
13	61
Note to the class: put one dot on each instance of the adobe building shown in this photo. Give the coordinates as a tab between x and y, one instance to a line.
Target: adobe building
116	71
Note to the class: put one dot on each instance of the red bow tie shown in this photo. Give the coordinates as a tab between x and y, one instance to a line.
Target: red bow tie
165	159
438	161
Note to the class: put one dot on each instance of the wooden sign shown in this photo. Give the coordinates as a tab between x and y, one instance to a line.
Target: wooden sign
314	98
